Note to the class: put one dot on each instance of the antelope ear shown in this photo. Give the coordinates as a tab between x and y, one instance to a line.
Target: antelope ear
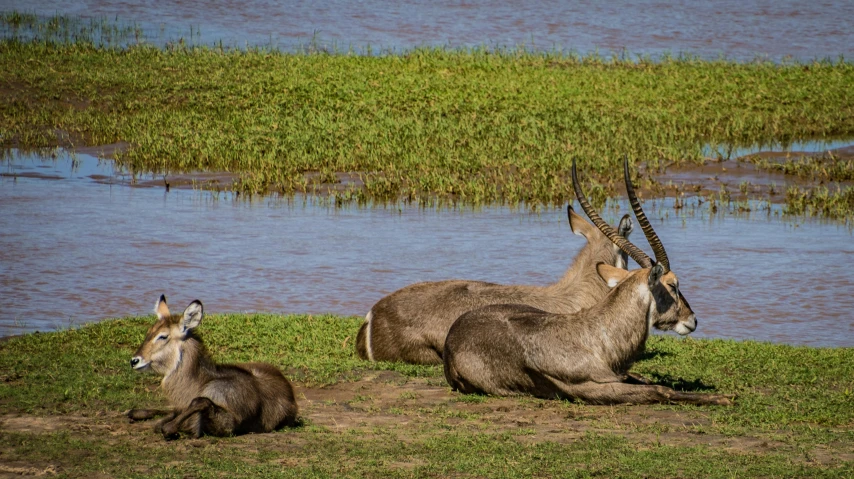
192	316
579	225
160	309
655	274
611	274
626	226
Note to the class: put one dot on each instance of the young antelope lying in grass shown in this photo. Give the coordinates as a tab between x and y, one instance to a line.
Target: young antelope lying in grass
209	398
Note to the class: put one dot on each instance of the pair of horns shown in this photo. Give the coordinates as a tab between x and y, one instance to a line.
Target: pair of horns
636	253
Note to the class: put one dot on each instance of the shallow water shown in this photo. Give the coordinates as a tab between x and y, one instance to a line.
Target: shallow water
740	30
793	148
75	250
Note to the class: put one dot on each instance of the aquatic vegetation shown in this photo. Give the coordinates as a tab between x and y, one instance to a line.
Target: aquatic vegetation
820	201
468	126
827	167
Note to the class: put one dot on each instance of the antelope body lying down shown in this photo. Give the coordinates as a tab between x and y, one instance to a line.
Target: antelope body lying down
516	349
209	398
411	324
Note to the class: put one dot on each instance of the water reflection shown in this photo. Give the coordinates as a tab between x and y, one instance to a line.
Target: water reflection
75	250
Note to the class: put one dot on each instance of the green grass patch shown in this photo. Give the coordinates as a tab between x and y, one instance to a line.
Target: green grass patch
392	454
89	368
85	368
471	126
797	397
823	168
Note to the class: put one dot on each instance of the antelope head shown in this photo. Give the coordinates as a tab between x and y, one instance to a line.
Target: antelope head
161	349
669	310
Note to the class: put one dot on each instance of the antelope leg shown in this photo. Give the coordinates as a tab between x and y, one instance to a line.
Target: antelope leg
158	428
202	416
171	428
633	378
623	393
145	414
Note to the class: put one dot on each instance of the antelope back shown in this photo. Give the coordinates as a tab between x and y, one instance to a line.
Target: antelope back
161	348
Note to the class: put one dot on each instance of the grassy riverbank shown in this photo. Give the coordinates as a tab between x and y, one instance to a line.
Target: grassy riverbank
63	394
468	126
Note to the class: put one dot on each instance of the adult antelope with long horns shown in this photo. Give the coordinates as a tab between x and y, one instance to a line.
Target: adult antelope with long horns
513	349
410	324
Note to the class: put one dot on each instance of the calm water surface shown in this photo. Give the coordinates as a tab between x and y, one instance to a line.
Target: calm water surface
76	250
742	30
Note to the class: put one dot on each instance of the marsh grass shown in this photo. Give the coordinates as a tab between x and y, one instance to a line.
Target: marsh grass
463	126
828	167
820	201
797	397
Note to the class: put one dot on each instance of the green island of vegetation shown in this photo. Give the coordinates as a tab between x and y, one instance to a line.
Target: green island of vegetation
423	126
64	395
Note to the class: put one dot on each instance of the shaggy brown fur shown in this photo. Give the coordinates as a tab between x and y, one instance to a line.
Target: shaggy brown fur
209	398
410	324
516	349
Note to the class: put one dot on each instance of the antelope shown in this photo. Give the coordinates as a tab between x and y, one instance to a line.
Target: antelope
208	398
410	324
512	349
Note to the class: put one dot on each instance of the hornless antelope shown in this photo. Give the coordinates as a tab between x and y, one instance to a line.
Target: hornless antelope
513	349
209	398
410	324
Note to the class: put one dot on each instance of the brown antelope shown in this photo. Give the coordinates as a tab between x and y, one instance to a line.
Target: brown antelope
209	398
410	324
513	349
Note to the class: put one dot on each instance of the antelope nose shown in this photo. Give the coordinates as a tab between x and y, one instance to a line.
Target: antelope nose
693	324
134	362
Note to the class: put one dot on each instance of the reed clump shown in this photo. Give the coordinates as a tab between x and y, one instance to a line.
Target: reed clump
820	201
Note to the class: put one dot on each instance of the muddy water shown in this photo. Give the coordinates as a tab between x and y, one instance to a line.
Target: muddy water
736	29
79	245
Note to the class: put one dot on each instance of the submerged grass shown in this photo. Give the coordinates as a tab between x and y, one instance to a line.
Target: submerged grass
796	397
469	126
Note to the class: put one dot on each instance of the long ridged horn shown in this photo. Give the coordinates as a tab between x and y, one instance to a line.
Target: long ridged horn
642	259
654	241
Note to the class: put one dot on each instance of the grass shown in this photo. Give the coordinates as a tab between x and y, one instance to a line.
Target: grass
468	126
827	168
794	400
820	201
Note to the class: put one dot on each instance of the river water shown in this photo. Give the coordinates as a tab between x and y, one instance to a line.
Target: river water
78	244
737	29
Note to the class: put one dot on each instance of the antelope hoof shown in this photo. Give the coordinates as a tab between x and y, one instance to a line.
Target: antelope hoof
169	431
